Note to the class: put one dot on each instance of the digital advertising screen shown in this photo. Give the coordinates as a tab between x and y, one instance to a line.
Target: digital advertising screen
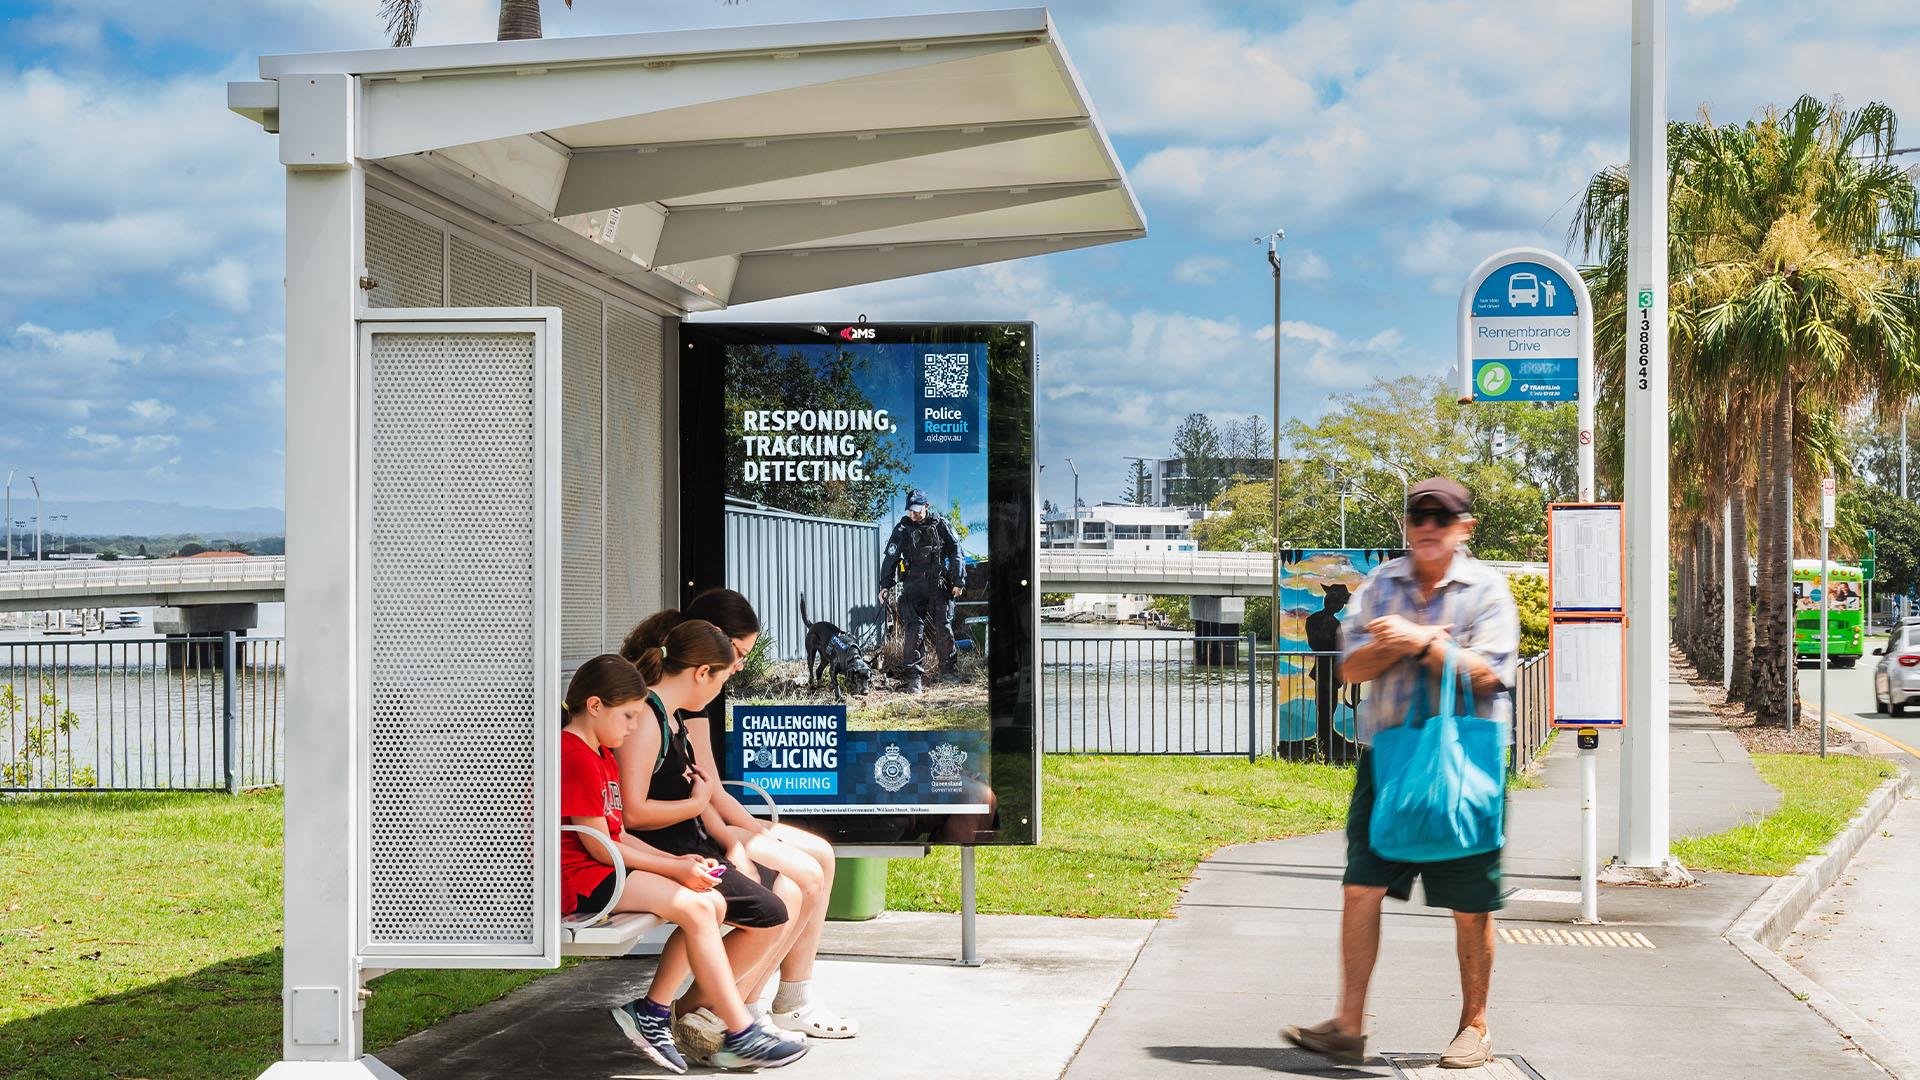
869	489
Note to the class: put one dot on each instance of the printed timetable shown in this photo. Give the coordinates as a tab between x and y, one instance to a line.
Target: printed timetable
1586	558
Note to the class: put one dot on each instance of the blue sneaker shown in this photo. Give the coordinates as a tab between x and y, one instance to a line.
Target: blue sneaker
759	1048
652	1034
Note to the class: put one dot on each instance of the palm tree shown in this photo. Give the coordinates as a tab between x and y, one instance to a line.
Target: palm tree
1792	295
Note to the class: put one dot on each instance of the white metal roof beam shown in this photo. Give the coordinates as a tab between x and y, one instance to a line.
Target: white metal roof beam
699	232
406	117
766	275
597	179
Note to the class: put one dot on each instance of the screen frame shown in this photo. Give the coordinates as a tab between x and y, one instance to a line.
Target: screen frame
1012	593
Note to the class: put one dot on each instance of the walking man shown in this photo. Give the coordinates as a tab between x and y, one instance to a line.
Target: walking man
1405	617
923	550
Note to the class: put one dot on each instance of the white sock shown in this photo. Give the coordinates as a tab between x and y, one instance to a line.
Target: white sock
792	995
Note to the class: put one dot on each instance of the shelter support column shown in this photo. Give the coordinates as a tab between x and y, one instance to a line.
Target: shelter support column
326	202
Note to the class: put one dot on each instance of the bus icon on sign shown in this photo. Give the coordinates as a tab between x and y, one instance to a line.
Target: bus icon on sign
1523	288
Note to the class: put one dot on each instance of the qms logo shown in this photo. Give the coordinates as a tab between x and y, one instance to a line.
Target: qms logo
858	333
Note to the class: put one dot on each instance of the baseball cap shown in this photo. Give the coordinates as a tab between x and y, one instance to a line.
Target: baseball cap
917	498
1450	495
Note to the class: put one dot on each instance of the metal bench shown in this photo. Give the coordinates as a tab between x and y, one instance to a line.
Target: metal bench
610	933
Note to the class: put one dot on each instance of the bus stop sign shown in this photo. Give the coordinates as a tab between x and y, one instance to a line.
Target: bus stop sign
1522	333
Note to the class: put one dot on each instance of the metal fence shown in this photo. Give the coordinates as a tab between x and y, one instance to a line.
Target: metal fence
1532	709
165	714
1177	694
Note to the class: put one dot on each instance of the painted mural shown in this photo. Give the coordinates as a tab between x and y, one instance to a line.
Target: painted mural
1316	586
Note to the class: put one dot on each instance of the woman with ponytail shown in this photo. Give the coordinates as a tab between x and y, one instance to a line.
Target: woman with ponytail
686	662
801	856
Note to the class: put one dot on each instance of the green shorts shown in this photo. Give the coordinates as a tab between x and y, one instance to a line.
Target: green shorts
1471	883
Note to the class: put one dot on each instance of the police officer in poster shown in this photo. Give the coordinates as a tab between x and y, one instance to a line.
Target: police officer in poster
923	550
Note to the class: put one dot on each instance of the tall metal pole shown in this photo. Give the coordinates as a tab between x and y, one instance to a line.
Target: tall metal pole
1644	765
1076	505
36	517
1273	613
1826	605
10	473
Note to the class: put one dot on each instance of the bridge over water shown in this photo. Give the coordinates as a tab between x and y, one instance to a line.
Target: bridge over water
1208	573
256	579
262	579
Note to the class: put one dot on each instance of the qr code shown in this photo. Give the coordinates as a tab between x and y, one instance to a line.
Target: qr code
947	375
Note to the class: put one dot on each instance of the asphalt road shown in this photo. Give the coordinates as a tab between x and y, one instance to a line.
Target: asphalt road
1850	697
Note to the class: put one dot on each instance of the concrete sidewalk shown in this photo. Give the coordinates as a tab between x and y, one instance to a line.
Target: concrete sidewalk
1254	945
1018	1017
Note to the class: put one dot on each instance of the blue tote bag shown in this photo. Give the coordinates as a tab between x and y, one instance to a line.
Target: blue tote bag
1439	780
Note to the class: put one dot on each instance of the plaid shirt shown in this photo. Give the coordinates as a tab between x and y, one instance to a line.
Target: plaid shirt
1471	596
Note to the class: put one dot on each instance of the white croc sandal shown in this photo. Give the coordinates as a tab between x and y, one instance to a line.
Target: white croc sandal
816	1022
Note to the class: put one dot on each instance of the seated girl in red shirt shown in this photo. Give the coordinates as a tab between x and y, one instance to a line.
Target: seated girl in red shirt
605	701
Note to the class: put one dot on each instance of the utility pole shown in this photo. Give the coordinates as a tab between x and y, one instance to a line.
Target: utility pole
1644	821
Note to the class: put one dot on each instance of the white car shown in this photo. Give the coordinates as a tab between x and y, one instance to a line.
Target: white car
1896	678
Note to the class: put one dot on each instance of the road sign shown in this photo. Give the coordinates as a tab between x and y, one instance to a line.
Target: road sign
1826	502
1523	332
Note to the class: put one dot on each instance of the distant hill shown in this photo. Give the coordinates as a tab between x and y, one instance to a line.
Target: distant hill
133	517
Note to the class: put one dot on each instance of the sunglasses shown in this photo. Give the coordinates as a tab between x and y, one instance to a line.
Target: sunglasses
1430	516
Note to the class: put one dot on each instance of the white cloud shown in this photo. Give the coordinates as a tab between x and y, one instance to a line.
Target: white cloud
151	410
1199	270
228	283
1193	81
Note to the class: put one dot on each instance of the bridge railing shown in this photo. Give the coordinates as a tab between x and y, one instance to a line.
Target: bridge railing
159	573
172	714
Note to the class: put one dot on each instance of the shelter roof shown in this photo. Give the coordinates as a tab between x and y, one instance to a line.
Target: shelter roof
718	167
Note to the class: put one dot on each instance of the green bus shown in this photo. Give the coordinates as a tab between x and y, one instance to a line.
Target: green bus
1844	641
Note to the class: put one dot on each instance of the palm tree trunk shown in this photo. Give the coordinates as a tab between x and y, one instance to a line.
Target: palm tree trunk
1739	597
1765	507
519	20
1717	599
1712	619
1773	677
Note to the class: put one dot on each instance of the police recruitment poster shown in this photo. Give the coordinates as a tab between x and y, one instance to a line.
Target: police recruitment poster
869	489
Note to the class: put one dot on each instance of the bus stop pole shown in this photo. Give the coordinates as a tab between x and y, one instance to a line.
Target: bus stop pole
1826	606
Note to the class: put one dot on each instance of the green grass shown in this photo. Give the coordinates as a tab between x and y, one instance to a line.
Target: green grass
1121	836
1817	799
140	934
140	937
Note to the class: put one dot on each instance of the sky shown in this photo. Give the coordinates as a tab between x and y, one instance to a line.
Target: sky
1397	142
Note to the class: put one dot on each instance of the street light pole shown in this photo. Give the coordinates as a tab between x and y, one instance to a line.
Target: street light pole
1273	613
10	473
1076	505
36	517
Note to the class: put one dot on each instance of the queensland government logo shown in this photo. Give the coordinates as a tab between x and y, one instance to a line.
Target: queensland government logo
948	761
892	770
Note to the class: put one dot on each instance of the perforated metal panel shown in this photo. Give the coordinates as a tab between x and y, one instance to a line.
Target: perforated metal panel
462	692
406	260
582	509
482	278
635	510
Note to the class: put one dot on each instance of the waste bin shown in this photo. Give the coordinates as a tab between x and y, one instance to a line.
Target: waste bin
859	889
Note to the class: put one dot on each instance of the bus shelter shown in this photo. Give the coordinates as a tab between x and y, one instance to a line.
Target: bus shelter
490	248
